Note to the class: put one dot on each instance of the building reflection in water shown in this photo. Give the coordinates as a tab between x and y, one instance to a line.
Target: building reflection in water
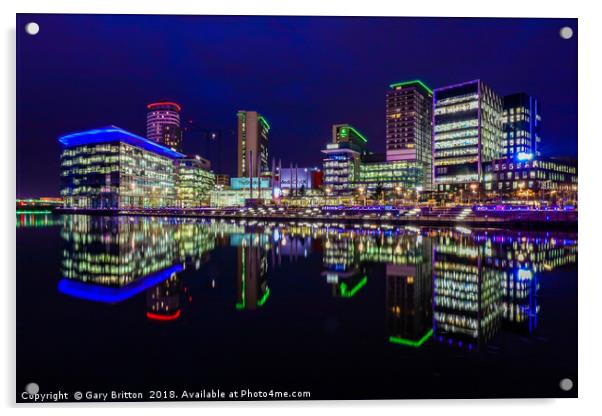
37	219
457	286
252	289
343	269
163	300
468	294
111	259
409	291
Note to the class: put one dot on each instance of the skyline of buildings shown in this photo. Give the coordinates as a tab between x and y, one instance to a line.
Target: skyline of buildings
452	140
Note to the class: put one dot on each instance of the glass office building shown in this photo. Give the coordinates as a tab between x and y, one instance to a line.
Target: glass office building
401	175
110	168
409	126
522	125
194	181
341	166
341	163
545	176
468	133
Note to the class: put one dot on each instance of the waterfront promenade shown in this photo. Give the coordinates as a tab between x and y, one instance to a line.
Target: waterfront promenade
495	216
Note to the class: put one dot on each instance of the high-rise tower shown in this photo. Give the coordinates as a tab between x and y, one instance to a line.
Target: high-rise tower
163	124
253	154
409	128
468	133
522	126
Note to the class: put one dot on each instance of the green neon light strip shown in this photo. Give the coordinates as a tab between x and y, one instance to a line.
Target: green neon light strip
348	294
416	81
361	136
411	343
264	298
243	303
34	212
265	122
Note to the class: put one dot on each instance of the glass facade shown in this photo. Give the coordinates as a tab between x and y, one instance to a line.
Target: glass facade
409	126
522	125
194	182
506	176
341	169
403	175
112	169
341	163
468	133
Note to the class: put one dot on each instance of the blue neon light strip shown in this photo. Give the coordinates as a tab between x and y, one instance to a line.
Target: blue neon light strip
105	294
113	134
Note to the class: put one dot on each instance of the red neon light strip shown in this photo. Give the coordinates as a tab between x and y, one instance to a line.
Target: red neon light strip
158	317
164	103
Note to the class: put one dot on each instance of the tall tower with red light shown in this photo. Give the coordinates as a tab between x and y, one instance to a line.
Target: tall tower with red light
163	124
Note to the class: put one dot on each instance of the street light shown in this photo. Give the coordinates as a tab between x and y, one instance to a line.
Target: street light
521	186
474	187
361	190
418	190
398	192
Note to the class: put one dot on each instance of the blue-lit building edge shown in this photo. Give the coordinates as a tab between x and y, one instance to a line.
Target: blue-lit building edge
110	134
532	125
104	190
105	294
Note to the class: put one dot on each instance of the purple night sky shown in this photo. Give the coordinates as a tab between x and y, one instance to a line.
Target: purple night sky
303	73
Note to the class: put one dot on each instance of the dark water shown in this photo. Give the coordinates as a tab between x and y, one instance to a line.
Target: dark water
139	304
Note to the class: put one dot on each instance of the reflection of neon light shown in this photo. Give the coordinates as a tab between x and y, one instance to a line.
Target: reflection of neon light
114	134
348	294
34	212
401	84
243	303
524	274
264	297
409	342
158	317
105	294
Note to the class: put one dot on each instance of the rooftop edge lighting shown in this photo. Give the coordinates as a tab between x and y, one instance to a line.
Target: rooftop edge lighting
413	82
360	135
161	103
264	122
110	134
410	342
461	84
